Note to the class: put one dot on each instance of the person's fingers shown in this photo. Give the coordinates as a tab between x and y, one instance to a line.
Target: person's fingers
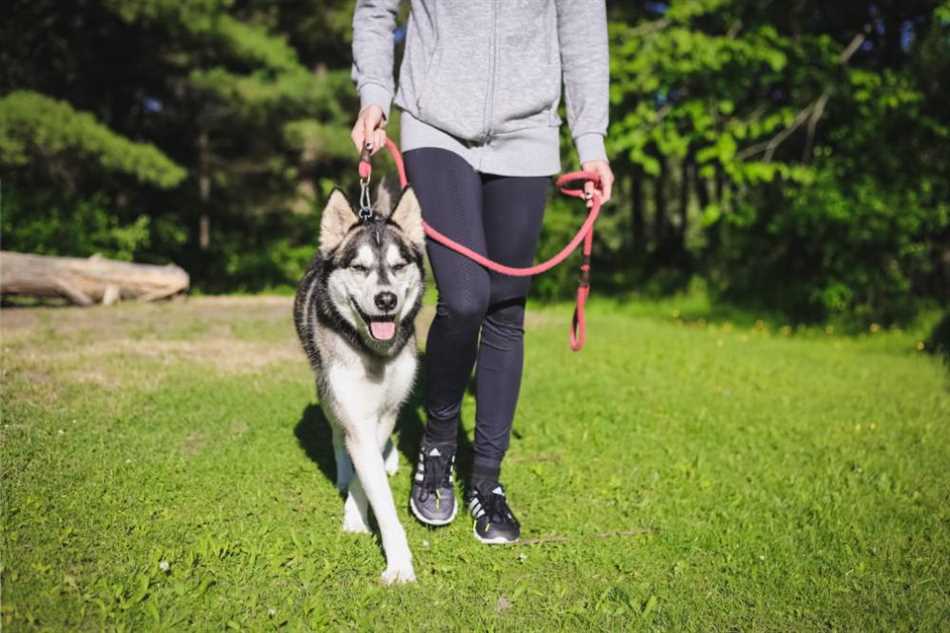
607	184
357	136
379	139
589	190
368	129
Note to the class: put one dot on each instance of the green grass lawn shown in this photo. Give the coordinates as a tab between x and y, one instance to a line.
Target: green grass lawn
166	467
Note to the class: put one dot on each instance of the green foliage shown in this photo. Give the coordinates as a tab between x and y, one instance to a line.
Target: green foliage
256	45
50	224
34	127
279	267
810	138
82	228
822	161
318	141
844	248
860	239
166	468
216	86
680	89
261	95
194	14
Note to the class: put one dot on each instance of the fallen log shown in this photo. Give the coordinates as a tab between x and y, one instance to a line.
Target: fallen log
87	281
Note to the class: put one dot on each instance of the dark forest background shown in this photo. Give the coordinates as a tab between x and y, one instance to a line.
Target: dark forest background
787	156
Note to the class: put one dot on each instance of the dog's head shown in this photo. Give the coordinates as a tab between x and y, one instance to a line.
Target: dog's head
376	273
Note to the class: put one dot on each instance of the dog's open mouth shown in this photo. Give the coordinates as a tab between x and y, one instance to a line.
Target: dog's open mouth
382	327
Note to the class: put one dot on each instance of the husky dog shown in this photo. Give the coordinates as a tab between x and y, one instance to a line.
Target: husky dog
354	311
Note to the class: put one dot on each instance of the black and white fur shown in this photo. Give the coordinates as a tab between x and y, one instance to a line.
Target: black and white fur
367	278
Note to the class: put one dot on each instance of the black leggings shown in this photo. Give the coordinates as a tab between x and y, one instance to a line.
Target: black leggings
499	217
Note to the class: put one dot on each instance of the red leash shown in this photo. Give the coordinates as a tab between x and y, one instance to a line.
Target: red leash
585	233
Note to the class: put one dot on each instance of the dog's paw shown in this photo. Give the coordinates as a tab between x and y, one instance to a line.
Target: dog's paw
398	573
353	523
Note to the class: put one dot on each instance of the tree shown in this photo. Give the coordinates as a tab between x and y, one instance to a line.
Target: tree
794	155
768	115
219	92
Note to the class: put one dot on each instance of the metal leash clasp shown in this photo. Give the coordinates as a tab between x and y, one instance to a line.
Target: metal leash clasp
366	204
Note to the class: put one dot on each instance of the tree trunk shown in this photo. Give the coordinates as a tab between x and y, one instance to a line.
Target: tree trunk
712	231
661	226
638	223
87	281
204	190
679	245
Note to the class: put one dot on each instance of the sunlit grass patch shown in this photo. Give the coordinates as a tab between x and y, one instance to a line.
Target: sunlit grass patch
165	468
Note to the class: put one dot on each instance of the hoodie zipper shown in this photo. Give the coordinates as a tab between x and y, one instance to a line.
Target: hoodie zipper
489	111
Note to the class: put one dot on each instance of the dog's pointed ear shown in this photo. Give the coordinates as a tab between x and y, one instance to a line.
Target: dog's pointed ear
408	216
337	218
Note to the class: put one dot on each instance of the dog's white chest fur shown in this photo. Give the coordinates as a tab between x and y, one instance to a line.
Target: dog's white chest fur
370	387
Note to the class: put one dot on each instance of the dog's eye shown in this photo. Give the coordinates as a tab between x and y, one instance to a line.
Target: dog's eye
399	266
360	268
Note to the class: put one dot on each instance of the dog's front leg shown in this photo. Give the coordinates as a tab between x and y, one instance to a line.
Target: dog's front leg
391	458
344	467
368	462
384	436
356	509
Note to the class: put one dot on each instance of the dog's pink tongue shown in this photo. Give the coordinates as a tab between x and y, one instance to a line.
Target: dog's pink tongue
383	330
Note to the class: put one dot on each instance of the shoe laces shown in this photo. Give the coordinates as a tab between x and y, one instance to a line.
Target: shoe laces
495	504
436	471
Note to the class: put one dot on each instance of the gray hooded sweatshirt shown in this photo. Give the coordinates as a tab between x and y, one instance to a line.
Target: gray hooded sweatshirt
483	78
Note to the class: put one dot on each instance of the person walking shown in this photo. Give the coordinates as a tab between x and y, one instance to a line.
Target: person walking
480	85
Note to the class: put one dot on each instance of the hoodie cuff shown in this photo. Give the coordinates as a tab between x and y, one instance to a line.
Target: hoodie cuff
374	94
590	146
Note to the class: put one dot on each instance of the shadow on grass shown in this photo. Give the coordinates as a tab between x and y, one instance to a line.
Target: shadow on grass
315	437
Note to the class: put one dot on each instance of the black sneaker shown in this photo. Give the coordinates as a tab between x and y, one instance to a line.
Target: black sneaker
494	522
432	499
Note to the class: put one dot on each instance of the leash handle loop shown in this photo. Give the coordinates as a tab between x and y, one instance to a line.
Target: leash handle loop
575	176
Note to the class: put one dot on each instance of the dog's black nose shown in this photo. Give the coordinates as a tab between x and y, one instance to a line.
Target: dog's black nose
386	301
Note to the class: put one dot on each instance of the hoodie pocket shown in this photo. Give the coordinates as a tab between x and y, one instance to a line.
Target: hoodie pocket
452	97
528	81
432	67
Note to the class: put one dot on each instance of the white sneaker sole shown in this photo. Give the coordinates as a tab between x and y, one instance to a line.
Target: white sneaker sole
418	515
498	540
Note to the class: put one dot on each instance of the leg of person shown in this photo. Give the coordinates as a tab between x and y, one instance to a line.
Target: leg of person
450	194
513	214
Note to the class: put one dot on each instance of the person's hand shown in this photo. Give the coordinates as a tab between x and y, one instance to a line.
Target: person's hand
368	130
602	169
